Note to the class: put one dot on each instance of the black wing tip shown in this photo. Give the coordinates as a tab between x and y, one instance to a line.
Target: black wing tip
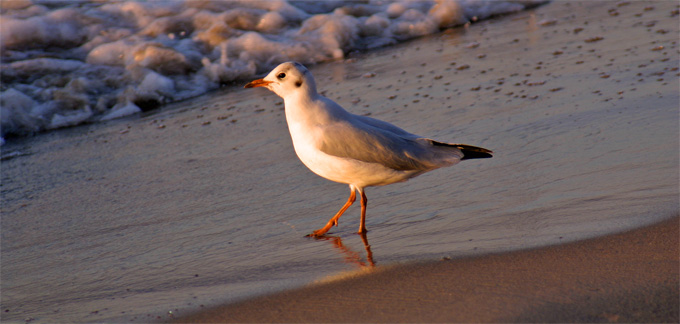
469	155
474	152
469	151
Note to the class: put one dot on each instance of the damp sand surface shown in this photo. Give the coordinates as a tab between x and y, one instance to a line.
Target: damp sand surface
204	202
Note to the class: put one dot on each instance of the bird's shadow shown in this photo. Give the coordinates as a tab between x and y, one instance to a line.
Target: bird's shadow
349	255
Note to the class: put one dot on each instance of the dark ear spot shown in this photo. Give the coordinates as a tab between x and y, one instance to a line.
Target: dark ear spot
298	83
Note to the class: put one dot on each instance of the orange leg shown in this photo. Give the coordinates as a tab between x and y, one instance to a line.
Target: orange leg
364	202
334	221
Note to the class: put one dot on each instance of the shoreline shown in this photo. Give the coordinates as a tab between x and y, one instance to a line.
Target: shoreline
204	203
629	276
626	277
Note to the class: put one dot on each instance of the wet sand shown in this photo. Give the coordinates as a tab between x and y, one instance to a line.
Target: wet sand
204	203
625	278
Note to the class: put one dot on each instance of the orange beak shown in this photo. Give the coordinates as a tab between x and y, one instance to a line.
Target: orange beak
257	83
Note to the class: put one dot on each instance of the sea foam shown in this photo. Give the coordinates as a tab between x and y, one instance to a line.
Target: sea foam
68	62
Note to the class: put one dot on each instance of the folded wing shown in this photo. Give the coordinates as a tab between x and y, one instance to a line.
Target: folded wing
373	141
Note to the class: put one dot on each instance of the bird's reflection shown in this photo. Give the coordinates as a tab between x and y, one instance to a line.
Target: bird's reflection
349	255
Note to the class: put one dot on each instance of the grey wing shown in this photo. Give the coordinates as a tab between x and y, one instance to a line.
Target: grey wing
399	151
384	126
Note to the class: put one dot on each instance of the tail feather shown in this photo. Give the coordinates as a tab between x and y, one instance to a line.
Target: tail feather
469	151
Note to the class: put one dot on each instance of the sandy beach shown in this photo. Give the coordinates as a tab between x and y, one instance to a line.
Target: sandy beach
631	277
627	277
197	211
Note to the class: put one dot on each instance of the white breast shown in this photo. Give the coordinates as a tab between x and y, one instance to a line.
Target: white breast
339	169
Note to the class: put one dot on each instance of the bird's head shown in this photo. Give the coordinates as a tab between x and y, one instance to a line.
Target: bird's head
287	79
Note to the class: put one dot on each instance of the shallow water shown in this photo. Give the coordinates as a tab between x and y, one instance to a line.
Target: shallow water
65	63
205	201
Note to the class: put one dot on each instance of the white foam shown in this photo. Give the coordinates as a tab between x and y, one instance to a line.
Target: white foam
121	110
70	118
65	63
15	111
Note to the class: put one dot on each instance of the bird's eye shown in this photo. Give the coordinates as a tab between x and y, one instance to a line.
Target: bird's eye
281	75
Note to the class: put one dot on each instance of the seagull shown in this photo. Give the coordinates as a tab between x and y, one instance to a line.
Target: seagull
356	150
